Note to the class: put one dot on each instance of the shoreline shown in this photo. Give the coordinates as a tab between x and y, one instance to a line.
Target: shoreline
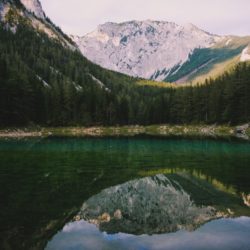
164	131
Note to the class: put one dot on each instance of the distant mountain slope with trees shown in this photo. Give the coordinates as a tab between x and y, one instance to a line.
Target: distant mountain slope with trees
44	82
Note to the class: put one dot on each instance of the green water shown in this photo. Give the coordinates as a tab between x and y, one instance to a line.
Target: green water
44	182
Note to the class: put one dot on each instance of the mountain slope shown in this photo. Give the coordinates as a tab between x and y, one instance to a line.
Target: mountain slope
45	80
212	62
35	7
143	49
30	11
43	77
158	50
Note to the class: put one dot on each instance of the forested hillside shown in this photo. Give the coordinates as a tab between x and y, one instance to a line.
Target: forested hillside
43	82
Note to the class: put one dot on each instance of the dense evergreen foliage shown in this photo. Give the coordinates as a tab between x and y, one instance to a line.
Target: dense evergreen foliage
42	82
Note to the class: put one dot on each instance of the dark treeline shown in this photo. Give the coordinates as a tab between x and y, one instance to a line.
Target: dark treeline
41	82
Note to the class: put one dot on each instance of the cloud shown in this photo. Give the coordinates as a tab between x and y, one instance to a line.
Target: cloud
82	16
217	234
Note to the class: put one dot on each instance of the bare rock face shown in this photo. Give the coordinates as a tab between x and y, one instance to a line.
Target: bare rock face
246	199
145	206
245	55
3	8
240	131
35	7
32	11
148	49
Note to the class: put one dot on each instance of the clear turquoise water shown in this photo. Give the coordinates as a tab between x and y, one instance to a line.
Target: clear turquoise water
44	183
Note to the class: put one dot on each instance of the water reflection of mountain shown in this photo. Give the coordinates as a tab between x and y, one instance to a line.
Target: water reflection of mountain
159	204
46	181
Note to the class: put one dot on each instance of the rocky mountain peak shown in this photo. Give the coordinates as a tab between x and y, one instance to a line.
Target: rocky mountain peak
35	7
37	20
143	48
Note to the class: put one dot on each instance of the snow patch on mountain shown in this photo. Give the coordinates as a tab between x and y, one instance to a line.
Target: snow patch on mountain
35	7
45	84
147	49
228	41
245	55
100	83
77	87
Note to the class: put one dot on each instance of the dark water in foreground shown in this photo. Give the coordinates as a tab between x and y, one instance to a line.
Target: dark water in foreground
44	184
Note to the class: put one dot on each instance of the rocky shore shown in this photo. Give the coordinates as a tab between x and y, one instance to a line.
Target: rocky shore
200	131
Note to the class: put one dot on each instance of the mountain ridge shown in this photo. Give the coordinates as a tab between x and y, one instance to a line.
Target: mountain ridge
154	50
138	47
12	12
45	80
35	7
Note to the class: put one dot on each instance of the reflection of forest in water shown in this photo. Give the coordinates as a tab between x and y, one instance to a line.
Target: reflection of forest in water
47	181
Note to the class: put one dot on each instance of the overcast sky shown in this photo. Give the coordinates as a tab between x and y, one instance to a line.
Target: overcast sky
216	16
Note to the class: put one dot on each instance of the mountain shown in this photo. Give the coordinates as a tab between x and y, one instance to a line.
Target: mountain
162	51
45	80
13	11
42	72
159	204
134	208
35	7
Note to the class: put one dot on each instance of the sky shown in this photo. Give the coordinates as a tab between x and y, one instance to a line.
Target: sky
222	17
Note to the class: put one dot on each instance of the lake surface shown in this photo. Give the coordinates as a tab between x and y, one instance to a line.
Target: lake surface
137	193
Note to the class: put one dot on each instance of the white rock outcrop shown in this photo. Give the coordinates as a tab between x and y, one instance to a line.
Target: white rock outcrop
35	7
245	55
147	49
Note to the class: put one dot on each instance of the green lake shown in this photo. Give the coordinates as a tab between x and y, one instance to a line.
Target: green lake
124	193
